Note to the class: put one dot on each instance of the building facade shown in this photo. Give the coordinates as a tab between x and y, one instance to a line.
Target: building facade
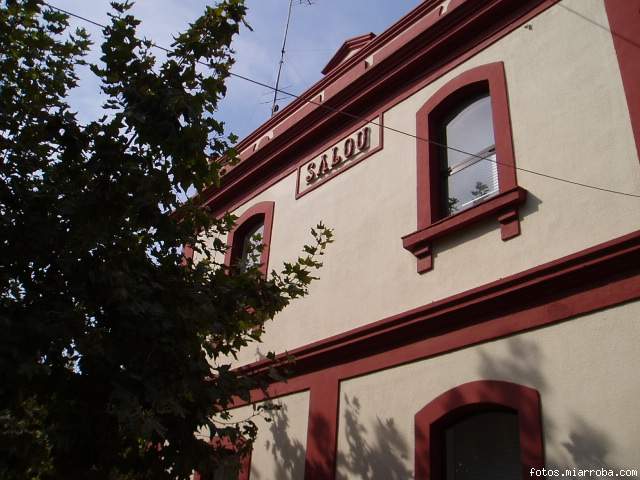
478	315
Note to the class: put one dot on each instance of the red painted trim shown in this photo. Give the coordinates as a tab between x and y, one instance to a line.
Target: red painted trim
624	21
262	211
379	119
491	79
345	49
598	277
387	36
413	65
322	430
245	468
507	200
477	396
358	363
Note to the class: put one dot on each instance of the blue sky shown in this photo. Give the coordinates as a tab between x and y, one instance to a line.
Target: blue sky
315	33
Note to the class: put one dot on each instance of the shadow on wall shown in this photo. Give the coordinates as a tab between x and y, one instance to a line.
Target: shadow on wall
288	454
581	445
377	455
378	451
488	226
522	364
319	429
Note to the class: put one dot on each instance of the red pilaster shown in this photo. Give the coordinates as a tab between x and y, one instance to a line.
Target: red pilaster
624	22
322	432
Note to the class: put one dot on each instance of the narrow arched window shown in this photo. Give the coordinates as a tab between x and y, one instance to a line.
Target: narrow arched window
251	245
469	170
250	240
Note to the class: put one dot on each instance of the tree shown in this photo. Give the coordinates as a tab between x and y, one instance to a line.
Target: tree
480	190
113	345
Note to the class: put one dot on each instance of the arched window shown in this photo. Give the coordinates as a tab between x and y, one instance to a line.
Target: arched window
483	429
482	445
250	245
249	241
465	162
469	173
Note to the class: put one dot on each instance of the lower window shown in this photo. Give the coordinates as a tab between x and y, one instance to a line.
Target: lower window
482	446
480	430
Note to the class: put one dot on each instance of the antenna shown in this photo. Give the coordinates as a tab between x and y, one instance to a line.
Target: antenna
275	107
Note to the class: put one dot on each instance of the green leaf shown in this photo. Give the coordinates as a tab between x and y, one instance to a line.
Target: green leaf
107	328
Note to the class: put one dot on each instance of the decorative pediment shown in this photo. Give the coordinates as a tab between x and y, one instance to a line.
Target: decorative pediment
348	48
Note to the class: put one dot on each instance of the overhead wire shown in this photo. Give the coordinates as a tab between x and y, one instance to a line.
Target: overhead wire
372	122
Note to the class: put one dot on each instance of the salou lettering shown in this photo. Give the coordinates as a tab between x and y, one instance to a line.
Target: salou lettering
342	152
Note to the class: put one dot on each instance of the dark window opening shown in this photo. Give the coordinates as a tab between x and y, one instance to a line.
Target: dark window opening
250	245
483	446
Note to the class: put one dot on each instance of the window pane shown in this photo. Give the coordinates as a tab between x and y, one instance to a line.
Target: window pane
467	178
477	181
484	446
471	131
251	244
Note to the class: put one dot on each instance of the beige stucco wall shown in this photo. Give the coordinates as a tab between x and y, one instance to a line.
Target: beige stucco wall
279	449
569	119
585	370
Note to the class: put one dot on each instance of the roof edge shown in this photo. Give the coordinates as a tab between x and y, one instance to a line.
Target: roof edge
349	45
384	37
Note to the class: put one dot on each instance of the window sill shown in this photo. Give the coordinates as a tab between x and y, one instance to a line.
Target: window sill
504	205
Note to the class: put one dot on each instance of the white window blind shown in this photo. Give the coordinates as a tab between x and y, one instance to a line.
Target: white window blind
472	176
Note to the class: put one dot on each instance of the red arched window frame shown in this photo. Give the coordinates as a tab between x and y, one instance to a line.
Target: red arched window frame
262	211
470	398
432	225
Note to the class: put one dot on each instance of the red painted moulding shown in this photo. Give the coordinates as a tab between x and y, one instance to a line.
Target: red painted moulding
614	293
595	278
401	25
488	78
415	62
322	428
262	210
504	206
477	396
590	280
347	47
624	21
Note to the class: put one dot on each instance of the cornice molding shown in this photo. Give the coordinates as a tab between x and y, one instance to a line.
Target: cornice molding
422	45
542	286
345	49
